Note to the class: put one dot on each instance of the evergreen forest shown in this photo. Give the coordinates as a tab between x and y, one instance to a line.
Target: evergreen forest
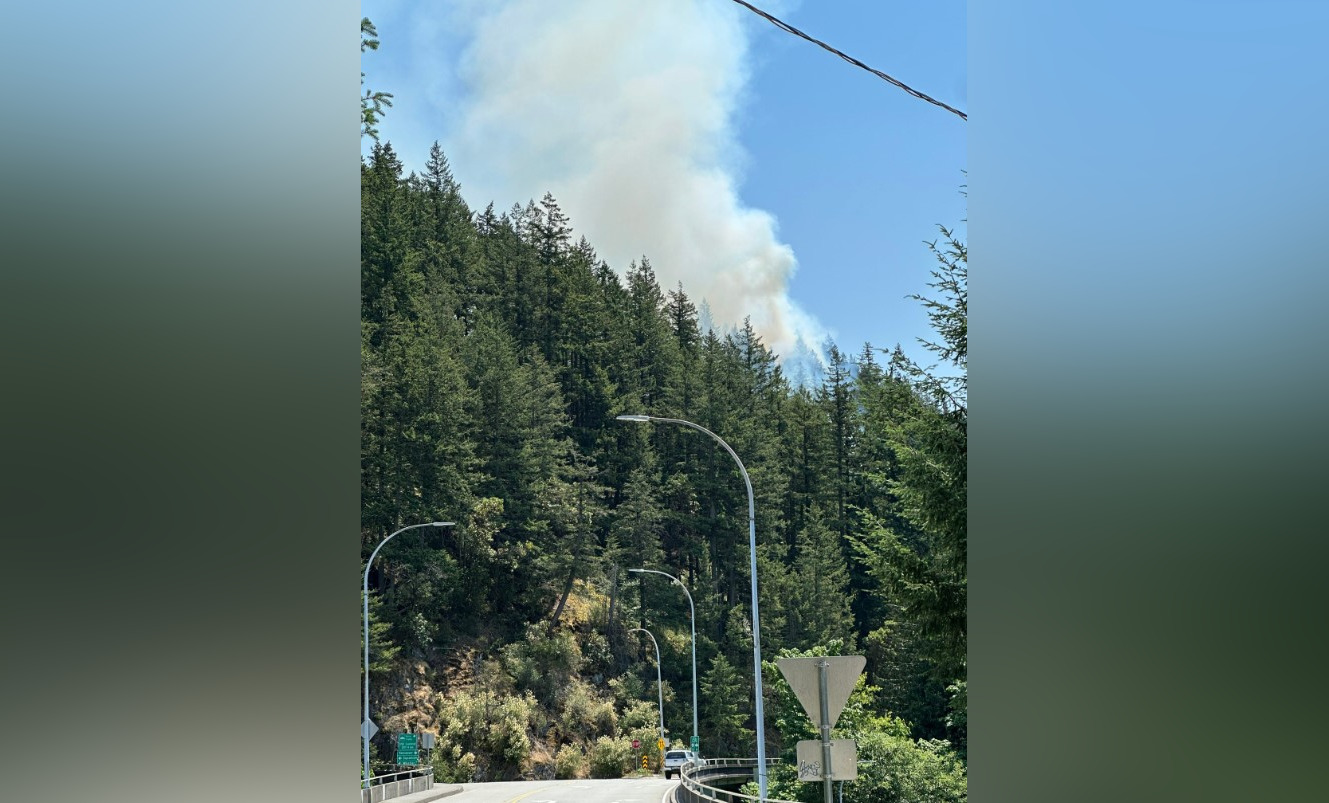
496	351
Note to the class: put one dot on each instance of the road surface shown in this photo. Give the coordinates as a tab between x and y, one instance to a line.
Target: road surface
623	790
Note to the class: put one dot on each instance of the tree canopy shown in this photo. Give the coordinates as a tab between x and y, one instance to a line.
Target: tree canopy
496	350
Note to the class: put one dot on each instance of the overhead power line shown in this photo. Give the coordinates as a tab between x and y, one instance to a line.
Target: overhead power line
796	32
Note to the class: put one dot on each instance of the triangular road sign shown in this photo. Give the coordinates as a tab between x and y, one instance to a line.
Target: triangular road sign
842	673
368	729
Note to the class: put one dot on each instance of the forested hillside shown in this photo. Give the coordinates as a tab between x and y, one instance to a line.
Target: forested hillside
496	352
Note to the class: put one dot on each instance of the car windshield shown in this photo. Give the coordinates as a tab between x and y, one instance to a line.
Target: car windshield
676	754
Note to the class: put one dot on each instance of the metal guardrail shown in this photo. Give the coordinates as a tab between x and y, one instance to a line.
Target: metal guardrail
413	780
692	790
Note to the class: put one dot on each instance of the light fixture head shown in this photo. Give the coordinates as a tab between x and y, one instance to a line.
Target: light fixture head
443	524
638	418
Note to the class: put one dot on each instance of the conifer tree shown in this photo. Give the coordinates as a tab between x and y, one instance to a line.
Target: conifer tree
637	525
386	273
835	397
651	354
806	448
926	568
820	611
372	103
727	696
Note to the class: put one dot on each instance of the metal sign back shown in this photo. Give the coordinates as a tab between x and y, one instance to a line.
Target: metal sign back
841	675
844	760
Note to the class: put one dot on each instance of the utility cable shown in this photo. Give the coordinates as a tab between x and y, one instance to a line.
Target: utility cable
796	32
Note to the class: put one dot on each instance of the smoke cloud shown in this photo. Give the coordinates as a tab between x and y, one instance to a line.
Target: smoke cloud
625	112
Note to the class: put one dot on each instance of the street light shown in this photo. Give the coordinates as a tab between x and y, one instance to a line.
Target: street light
679	583
752	553
364	726
658	681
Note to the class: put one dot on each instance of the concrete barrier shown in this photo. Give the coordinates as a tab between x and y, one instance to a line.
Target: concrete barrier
403	784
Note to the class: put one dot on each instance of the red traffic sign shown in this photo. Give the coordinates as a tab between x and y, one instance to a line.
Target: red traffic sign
636	744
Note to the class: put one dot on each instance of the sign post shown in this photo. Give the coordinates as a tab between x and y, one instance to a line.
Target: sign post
822	666
823	686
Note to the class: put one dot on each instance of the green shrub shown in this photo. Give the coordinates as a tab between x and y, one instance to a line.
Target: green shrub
902	770
628	688
596	653
570	762
451	765
585	715
610	758
543	664
639	714
494	729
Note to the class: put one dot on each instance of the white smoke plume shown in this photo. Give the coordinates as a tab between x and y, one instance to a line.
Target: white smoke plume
624	110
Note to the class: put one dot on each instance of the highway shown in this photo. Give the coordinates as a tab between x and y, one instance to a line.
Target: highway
622	790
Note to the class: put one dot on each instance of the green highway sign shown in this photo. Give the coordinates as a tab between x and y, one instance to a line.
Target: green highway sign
696	745
408	748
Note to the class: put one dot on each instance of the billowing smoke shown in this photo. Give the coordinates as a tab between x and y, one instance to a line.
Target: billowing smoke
624	110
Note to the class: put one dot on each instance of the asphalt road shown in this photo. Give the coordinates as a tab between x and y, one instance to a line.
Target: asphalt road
623	790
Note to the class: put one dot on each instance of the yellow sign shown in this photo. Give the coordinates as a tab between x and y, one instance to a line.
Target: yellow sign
659	743
643	762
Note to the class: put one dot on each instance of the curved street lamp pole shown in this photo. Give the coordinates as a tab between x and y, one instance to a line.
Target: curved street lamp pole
693	610
752	554
658	681
364	735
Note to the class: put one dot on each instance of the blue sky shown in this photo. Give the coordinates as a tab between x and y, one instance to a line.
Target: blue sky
809	183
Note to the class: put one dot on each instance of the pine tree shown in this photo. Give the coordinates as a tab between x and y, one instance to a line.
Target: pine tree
682	317
820	612
806	448
651	354
372	103
727	698
634	534
551	236
835	398
388	270
926	568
